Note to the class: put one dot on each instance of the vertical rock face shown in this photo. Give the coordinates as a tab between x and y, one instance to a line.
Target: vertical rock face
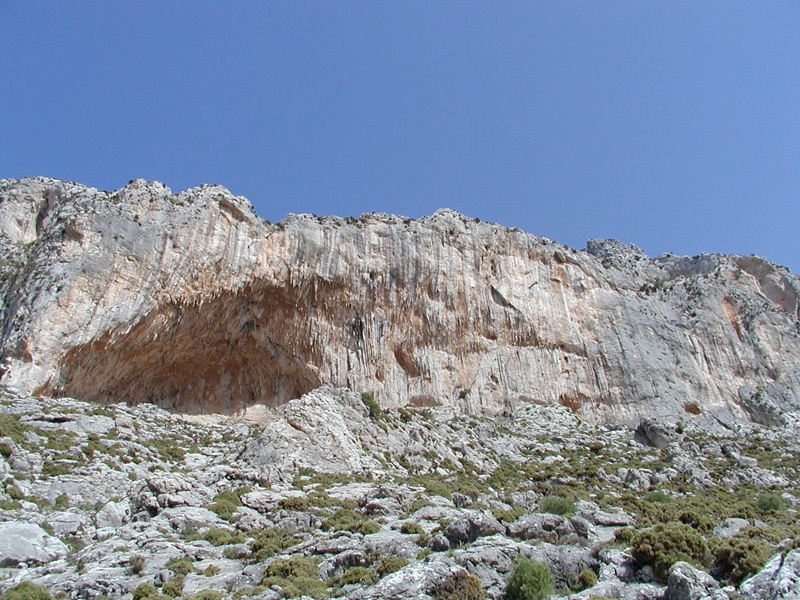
192	302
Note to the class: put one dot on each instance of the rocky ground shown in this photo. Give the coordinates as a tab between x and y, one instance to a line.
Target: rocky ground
331	497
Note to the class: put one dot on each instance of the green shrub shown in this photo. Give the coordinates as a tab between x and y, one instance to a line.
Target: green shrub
295	566
287	588
366	527
424	553
180	566
697	521
228	496
529	580
346	519
173	586
54	469
218	536
210	571
419	503
341	520
14	492
143	591
412	528
770	503
665	544
390	564
26	591
6	450
225	509
557	505
269	542
738	557
62	501
12	428
624	535
460	586
207	595
509	515
295	576
321	499
657	497
169	450
369	401
299	503
136	563
586	579
359	575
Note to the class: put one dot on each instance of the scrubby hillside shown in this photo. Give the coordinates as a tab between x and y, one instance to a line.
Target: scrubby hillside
335	498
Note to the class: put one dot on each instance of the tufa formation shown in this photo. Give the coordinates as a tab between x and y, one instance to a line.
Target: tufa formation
194	303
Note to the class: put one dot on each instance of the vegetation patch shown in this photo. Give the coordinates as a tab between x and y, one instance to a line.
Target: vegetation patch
666	544
26	591
460	586
529	580
269	542
557	505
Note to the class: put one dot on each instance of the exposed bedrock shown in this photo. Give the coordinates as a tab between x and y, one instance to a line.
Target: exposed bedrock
194	303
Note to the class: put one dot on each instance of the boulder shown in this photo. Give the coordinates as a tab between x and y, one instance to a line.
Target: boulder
651	432
730	527
685	582
778	580
113	514
416	580
28	543
546	527
471	526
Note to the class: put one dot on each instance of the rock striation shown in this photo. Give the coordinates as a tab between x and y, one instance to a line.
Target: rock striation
192	302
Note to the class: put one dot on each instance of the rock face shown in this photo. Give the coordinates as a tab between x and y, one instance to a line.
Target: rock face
194	303
27	543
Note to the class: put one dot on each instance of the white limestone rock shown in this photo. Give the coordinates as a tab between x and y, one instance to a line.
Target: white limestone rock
135	294
779	579
28	543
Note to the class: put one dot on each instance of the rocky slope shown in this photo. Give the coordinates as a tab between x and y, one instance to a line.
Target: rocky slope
192	302
136	502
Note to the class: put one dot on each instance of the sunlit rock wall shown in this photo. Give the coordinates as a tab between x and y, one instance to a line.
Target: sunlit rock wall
194	303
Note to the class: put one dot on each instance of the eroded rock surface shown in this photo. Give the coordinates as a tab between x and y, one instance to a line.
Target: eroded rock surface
192	302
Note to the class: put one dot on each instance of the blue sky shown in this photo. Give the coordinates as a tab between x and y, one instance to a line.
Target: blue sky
671	125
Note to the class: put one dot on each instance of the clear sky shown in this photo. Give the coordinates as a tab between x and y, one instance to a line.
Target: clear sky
671	125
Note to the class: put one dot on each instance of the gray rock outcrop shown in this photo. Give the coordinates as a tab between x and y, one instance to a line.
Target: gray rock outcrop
778	580
25	543
688	583
192	302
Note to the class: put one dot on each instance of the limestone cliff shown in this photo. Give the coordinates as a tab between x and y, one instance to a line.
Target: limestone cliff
192	302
